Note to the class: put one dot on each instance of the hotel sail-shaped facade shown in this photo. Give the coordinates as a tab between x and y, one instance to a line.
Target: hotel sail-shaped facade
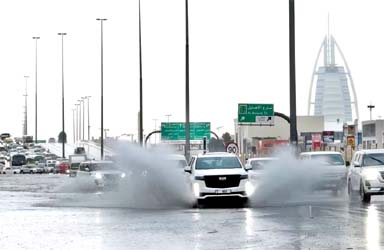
331	96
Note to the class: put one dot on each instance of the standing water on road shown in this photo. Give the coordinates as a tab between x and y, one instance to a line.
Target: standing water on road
151	181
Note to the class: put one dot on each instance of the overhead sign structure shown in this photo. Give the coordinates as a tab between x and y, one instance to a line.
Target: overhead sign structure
232	148
255	114
175	131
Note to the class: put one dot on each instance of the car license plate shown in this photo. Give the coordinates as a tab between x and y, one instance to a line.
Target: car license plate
223	191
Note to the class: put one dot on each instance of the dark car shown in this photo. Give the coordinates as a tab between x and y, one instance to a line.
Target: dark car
51	140
79	150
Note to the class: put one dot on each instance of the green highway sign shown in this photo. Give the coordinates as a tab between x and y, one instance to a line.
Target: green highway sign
255	114
173	131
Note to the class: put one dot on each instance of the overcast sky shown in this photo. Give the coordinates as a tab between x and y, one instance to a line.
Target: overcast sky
239	53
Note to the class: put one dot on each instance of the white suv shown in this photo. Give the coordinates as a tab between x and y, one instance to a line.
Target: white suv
366	174
330	168
101	173
218	175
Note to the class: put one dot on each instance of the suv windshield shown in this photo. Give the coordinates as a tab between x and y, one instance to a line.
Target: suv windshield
331	159
217	163
373	159
101	166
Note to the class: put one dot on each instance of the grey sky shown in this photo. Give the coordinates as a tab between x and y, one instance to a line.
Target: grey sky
238	53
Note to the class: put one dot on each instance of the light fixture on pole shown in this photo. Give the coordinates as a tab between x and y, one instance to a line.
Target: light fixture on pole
63	135
168	117
370	106
36	38
102	77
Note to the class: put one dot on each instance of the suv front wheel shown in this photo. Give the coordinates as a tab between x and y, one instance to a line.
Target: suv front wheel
366	198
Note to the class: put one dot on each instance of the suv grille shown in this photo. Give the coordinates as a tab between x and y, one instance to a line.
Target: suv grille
222	181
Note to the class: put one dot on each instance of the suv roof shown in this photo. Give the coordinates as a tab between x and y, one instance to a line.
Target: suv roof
321	153
221	154
371	151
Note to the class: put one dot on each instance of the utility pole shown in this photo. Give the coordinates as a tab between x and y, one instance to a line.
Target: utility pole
370	106
292	71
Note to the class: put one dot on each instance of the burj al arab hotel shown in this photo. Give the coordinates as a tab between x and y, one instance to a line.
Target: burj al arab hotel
331	88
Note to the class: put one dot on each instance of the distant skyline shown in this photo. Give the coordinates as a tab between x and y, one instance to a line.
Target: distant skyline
238	54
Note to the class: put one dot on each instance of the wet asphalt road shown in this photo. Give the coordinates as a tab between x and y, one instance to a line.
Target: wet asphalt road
45	212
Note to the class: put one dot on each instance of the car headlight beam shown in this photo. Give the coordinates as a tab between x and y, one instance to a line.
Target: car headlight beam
98	176
249	188
196	189
123	175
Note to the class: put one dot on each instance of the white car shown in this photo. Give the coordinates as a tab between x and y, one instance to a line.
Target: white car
178	160
218	175
366	174
10	170
101	173
257	166
330	169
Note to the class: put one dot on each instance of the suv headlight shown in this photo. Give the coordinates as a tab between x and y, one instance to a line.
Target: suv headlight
243	176
196	189
249	188
199	178
98	176
122	175
371	175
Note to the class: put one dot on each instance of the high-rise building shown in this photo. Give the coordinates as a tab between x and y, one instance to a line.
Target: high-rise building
331	96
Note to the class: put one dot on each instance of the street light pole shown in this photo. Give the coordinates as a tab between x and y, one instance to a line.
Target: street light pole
80	124
168	117
102	111
36	38
74	133
89	126
64	137
141	83
187	130
77	121
292	82
370	106
83	115
155	128
25	130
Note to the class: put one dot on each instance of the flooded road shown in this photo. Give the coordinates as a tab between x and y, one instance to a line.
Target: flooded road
43	212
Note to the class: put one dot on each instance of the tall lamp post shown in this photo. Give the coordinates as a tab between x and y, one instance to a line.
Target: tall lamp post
292	71
25	129
36	38
81	124
102	76
77	121
187	130
74	126
89	126
141	83
370	106
64	137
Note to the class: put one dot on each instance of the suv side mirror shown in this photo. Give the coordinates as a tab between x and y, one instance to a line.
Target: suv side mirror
86	169
357	165
188	169
248	167
347	163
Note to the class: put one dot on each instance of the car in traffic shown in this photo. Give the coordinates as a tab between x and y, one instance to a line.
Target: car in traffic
62	167
104	174
257	166
214	175
329	170
178	160
18	159
79	150
28	169
366	174
10	170
51	140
